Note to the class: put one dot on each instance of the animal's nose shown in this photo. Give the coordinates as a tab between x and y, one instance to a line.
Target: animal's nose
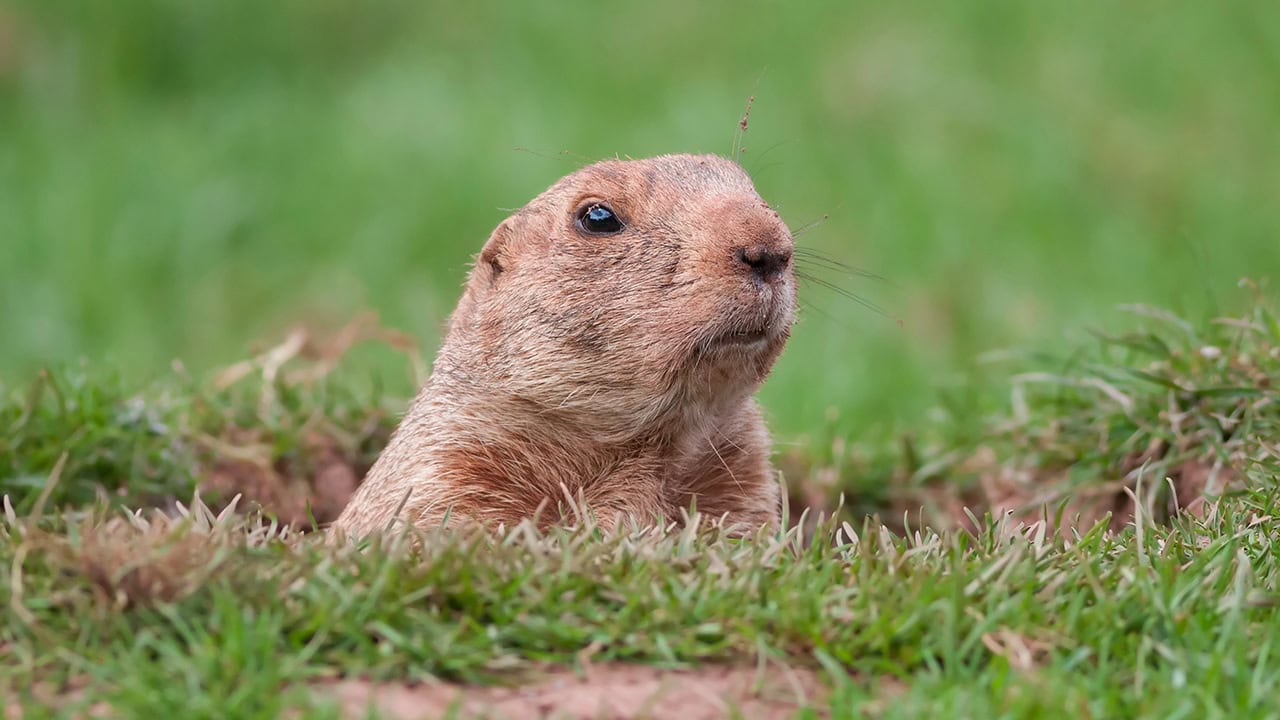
765	262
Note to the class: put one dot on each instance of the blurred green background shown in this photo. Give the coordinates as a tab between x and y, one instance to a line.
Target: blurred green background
189	178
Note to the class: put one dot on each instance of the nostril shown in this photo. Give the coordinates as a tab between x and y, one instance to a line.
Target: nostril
782	258
765	263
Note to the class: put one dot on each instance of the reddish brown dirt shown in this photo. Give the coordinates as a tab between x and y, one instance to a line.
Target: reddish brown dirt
613	692
293	492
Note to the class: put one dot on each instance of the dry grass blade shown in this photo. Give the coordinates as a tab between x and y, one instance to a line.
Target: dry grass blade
55	475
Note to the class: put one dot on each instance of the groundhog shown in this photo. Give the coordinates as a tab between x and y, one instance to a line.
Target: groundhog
606	348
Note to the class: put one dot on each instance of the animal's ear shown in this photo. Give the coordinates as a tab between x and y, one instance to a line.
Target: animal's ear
492	261
495	256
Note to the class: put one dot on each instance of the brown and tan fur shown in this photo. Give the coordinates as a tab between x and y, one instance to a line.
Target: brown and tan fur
617	368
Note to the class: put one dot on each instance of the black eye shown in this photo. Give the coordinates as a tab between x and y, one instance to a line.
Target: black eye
598	219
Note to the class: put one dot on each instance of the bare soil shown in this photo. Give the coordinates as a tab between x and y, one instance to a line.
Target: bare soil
612	692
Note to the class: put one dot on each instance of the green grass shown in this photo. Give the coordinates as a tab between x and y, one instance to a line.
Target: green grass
1164	621
150	445
1117	599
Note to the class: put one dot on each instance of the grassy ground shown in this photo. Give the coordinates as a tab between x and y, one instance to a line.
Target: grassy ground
1162	622
1083	529
1118	557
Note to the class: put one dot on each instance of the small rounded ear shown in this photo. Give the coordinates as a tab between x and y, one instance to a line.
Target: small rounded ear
490	263
494	256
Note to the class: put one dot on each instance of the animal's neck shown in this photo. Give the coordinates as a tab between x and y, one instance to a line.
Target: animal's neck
535	435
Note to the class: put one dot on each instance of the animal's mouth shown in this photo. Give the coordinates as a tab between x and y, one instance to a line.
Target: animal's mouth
744	337
760	328
749	338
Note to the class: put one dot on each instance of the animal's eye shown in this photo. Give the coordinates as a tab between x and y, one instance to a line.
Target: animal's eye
599	219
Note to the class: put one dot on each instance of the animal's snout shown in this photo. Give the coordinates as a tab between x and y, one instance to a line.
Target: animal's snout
752	243
765	262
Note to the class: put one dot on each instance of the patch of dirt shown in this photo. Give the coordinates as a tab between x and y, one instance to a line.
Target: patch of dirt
318	484
45	699
616	692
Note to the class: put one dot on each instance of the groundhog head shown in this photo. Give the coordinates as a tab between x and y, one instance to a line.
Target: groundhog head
629	290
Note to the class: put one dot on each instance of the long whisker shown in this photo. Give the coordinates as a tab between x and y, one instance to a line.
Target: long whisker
849	295
808	307
809	226
807	256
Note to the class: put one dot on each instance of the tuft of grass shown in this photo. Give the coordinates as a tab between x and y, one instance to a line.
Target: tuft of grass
295	443
1165	416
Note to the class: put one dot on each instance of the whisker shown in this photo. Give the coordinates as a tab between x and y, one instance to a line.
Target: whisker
808	256
847	294
809	306
809	226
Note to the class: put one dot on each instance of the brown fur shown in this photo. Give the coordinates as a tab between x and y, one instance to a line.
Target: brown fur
600	365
